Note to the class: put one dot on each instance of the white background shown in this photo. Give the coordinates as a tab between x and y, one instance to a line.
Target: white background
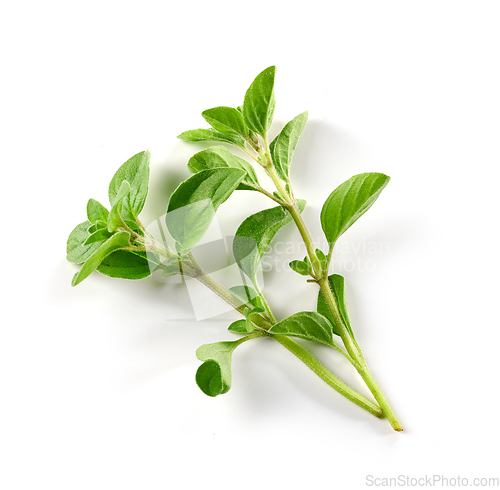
97	382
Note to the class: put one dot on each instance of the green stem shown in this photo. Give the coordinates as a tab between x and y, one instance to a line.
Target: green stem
250	337
327	376
350	343
354	351
270	196
381	399
263	326
266	304
306	237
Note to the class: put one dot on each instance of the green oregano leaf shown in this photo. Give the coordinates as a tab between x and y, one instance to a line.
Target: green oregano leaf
258	107
255	234
240	326
337	285
226	120
349	201
300	267
217	157
115	220
98	236
171	267
283	146
211	135
96	212
118	241
210	379
247	312
248	296
307	325
215	379
125	264
77	250
323	259
136	172
98	225
193	204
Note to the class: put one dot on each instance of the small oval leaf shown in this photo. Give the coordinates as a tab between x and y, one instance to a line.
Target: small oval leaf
258	107
283	146
124	264
96	211
98	236
210	135
226	120
307	325
77	250
116	242
349	201
209	378
221	353
136	172
247	295
115	218
240	326
300	267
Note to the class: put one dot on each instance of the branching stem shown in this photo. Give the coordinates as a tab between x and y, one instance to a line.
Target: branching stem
262	326
321	276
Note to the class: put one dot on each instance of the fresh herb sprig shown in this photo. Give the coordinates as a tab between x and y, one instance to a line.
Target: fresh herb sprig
114	242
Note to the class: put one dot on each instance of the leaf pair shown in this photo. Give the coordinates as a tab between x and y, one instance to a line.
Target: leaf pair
248	296
283	146
96	243
234	126
228	127
258	111
304	267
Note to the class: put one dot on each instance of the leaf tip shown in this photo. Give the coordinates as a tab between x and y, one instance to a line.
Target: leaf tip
75	281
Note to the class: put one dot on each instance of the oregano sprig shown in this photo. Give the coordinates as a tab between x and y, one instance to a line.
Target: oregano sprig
114	242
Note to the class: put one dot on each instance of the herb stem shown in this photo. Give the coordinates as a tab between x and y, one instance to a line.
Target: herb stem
266	304
270	196
338	385
321	277
262	325
306	237
354	351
